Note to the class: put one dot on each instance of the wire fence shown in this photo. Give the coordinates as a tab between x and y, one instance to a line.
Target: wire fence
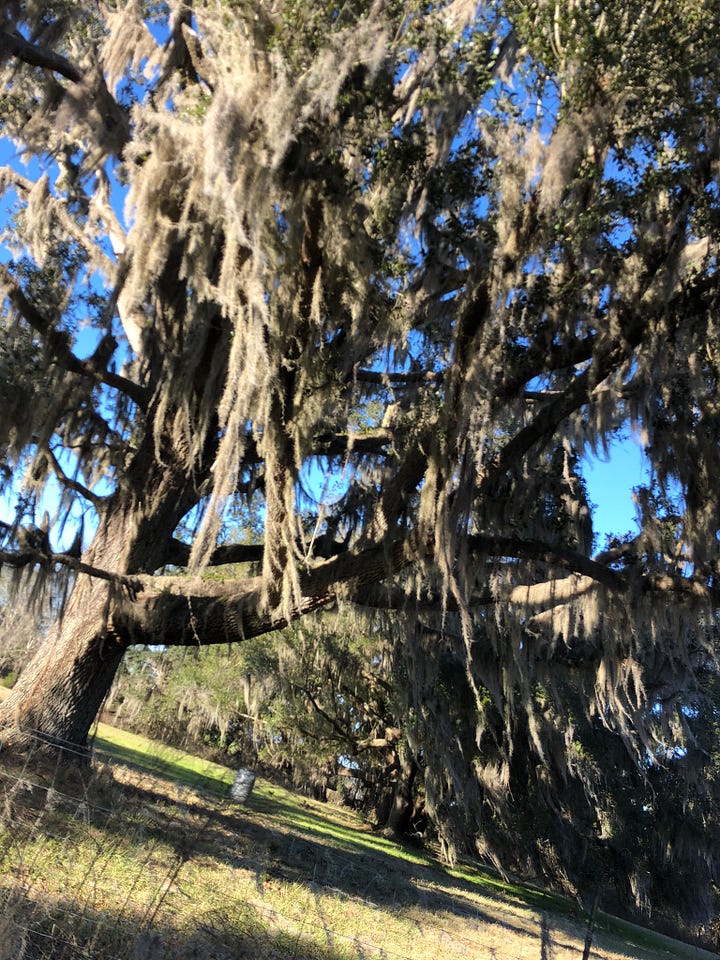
113	865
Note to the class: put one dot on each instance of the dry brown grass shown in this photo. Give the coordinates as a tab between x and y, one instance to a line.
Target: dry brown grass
117	862
121	863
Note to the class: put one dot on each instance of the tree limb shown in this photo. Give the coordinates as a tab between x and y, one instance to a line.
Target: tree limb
27	558
553	554
178	553
342	734
90	82
339	444
71	484
399	379
175	610
13	45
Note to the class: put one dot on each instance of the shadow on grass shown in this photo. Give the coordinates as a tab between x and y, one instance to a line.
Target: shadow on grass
292	840
38	927
165	762
281	836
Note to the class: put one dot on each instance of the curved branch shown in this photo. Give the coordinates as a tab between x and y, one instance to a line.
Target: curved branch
13	45
175	610
548	553
542	426
71	484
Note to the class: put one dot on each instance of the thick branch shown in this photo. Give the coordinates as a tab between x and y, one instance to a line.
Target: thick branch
178	553
13	45
573	398
541	360
544	425
182	611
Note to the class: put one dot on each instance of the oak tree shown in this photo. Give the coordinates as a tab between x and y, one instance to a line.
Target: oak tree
382	272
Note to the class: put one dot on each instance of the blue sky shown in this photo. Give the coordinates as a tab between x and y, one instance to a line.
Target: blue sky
610	486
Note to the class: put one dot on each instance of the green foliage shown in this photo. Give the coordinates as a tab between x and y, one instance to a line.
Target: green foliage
446	250
301	703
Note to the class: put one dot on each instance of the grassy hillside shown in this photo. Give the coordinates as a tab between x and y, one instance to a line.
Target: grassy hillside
145	858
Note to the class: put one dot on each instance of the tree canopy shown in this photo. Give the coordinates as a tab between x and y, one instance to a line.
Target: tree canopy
379	275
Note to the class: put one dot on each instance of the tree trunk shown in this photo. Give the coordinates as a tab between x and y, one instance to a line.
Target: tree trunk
401	811
61	690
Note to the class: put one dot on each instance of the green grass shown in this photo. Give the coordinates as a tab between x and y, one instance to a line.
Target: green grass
269	799
294	811
151	859
539	899
166	761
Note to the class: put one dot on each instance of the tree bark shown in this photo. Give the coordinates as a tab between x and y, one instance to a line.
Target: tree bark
401	810
62	689
60	692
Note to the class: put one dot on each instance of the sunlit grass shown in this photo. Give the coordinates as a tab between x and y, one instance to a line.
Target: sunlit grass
343	831
152	858
156	757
